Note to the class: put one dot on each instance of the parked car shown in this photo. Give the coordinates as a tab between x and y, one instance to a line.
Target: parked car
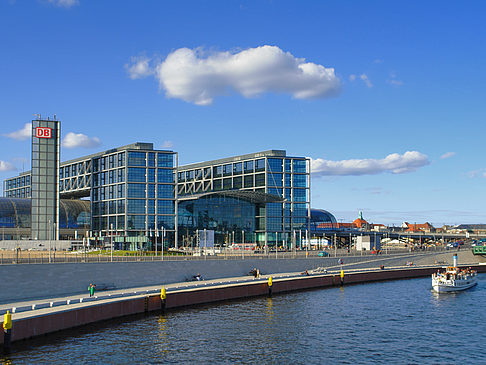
323	254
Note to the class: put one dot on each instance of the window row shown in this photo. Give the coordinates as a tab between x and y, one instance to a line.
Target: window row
18	182
151	159
239	168
109	162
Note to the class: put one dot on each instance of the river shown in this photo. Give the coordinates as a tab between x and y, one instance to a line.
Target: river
399	322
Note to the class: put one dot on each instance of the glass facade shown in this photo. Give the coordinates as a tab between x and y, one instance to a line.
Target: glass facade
227	216
269	172
45	178
135	194
135	190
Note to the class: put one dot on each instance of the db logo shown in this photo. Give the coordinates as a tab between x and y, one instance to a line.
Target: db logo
43	132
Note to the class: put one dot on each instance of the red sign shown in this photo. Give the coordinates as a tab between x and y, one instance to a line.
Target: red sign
43	132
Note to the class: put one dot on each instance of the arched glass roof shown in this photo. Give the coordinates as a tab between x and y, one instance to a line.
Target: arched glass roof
15	213
322	219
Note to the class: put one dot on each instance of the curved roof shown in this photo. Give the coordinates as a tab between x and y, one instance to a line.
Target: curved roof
322	216
247	195
15	212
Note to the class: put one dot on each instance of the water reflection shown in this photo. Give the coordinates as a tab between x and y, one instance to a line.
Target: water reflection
162	334
383	322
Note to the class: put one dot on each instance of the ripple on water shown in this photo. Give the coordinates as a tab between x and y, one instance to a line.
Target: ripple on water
399	322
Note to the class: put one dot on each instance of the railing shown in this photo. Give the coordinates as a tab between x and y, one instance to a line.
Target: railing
42	257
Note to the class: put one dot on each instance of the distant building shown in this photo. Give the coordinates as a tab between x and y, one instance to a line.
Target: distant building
360	222
426	227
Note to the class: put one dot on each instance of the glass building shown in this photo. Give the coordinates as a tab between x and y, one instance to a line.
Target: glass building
258	198
130	189
136	193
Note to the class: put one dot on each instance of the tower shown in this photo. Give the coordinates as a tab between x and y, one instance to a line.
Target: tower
45	178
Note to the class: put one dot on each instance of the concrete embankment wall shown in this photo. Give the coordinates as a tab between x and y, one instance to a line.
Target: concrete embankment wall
37	281
51	320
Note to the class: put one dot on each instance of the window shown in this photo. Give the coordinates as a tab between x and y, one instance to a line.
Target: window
274	179
136	174
260	180
135	206
165	191
227	184
136	158
249	181
136	222
150	206
165	207
151	175
237	168
275	164
110	164
207	173
237	183
227	169
217	171
136	191
120	207
248	166
300	195
121	190
300	166
260	165
165	160
121	175
151	159
151	191
300	181
165	176
121	159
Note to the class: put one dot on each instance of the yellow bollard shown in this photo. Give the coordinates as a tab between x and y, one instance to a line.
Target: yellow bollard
7	321
7	332
163	297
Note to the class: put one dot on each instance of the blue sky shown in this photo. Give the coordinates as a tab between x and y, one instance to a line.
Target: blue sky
346	83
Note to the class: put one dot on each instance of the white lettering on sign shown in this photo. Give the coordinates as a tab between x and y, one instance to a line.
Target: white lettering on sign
43	132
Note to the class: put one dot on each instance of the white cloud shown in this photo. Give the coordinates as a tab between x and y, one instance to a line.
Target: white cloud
21	134
140	68
6	166
393	80
74	140
167	144
63	3
362	77
476	173
394	163
197	77
366	80
448	155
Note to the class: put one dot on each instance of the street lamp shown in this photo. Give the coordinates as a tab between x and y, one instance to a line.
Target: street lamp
111	241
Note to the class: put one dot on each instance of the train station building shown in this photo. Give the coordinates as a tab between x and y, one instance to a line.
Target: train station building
135	193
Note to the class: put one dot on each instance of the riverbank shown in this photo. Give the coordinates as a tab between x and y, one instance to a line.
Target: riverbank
23	282
85	310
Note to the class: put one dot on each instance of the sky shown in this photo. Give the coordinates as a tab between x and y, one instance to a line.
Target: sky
387	98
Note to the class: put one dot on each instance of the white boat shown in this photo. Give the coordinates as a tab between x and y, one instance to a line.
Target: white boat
454	279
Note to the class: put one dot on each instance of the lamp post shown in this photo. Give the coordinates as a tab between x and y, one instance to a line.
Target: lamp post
49	241
111	241
242	243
